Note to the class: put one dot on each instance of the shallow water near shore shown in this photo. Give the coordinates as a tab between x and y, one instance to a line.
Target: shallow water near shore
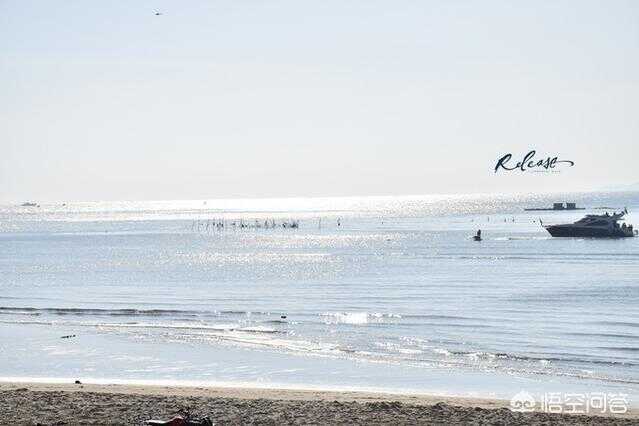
395	298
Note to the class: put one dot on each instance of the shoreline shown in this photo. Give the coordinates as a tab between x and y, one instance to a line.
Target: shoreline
33	402
254	392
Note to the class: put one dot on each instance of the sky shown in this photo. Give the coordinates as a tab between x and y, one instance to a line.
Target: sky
225	99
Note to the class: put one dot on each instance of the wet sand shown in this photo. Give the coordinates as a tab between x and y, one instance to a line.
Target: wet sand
33	403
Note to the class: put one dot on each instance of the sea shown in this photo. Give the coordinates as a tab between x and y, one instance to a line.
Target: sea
387	294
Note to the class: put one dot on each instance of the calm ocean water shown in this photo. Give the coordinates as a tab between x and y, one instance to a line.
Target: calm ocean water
397	297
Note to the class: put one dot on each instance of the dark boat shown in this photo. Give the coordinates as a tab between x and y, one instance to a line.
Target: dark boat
556	207
594	226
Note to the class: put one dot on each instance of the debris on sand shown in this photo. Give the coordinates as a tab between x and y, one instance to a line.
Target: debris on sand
184	418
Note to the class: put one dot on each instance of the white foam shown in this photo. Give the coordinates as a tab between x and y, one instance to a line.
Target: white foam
356	318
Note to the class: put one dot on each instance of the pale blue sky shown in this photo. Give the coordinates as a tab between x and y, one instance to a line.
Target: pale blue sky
105	100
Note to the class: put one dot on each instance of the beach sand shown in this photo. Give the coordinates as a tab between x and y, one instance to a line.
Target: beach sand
33	403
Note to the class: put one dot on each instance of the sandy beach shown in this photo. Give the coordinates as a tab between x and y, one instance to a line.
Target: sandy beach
42	403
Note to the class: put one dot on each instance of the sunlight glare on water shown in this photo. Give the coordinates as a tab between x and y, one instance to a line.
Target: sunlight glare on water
375	281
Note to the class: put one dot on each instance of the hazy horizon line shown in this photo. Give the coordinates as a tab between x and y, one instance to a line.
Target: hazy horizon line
628	188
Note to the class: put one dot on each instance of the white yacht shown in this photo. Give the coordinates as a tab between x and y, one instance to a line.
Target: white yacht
594	226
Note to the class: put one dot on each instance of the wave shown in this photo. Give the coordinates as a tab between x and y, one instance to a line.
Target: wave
500	362
14	310
374	317
99	311
616	323
611	335
346	318
539	359
620	348
136	325
357	318
259	336
193	324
